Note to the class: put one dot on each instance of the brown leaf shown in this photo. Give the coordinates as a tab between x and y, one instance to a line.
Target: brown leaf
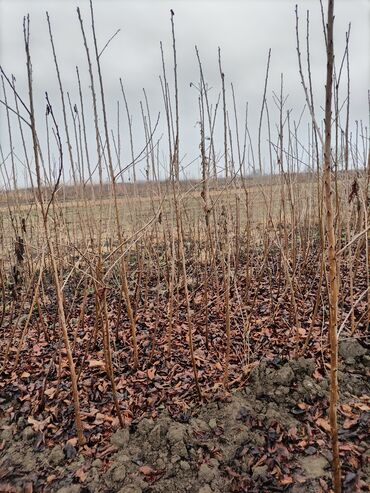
81	475
36	350
323	484
286	480
362	407
302	405
324	424
302	443
38	425
73	441
317	375
349	423
147	470
346	408
94	363
151	373
51	392
354	462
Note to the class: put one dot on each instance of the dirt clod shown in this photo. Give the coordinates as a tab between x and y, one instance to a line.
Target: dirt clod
205	489
121	438
366	360
28	433
130	489
284	376
314	466
73	488
303	366
119	473
70	451
259	471
56	456
351	348
206	473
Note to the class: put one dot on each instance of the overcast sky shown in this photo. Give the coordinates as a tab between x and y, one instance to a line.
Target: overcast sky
244	30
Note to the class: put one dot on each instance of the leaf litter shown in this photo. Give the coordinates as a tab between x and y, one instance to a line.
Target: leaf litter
268	431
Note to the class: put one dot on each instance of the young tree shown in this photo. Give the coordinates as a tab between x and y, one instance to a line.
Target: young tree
331	252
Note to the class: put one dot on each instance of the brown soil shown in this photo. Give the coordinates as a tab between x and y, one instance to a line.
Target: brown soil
270	436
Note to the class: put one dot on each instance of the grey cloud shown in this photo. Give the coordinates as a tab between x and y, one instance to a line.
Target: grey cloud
244	30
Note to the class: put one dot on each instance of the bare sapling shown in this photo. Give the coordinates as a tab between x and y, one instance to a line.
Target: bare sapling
125	287
44	212
331	253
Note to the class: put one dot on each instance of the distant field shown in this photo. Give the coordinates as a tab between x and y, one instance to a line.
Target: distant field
79	219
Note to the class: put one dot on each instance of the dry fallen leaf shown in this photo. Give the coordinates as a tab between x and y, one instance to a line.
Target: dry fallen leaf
81	475
286	480
362	407
324	424
38	425
51	392
73	441
147	470
95	363
349	423
302	405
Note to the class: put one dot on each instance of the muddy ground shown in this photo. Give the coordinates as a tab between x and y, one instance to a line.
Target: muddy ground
272	435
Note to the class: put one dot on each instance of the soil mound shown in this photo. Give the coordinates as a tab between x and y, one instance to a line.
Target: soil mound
273	435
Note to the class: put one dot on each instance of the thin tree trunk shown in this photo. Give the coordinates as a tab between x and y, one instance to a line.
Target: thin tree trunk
331	255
